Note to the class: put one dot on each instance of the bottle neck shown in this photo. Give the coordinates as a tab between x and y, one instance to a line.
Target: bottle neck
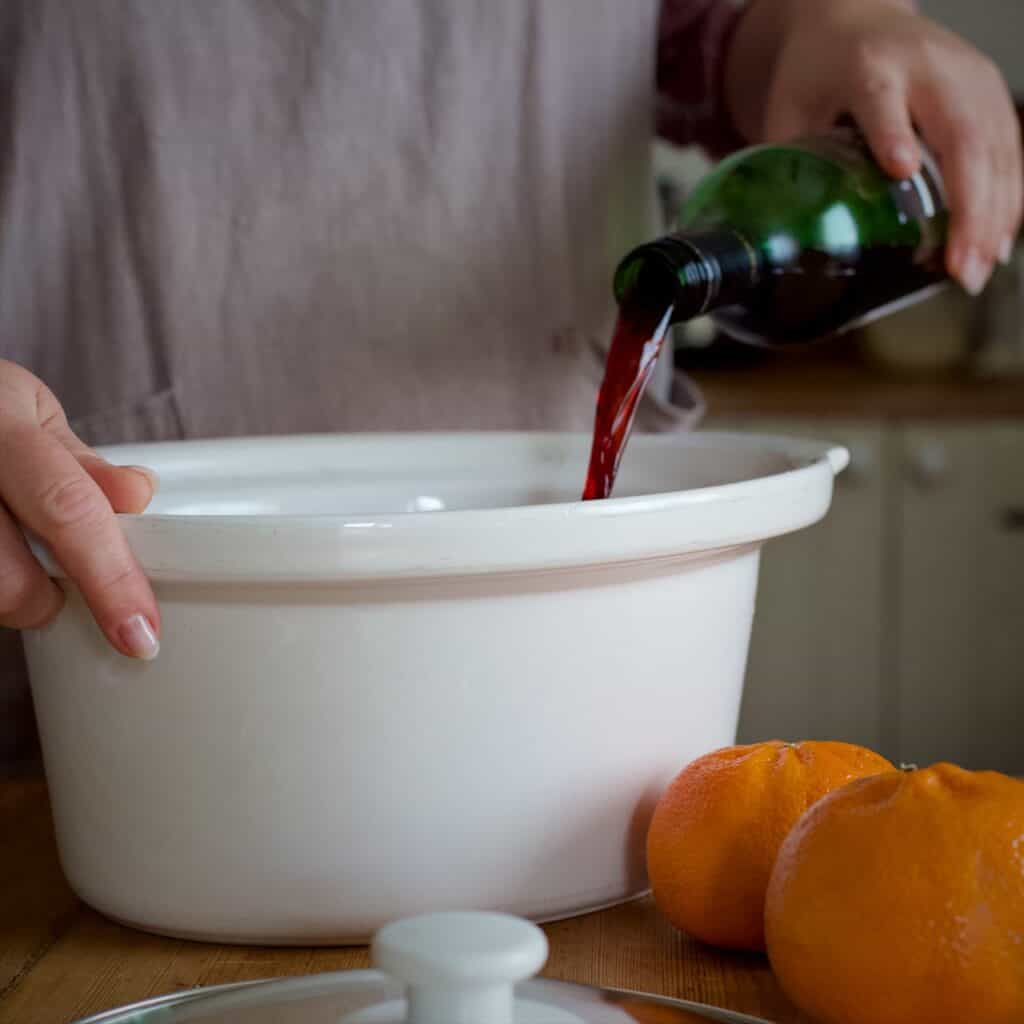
694	272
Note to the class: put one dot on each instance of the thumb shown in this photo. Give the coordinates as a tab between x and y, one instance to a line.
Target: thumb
128	488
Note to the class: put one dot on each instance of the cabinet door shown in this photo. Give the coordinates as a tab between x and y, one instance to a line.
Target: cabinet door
815	668
960	628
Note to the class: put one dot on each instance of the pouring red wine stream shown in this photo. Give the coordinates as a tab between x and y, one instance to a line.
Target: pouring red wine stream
780	244
639	334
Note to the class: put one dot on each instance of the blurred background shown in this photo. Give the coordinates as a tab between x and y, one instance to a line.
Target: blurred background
899	621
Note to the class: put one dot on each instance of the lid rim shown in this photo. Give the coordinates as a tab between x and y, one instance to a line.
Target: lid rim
128	1014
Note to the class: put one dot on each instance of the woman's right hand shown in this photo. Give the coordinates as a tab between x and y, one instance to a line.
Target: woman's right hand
59	489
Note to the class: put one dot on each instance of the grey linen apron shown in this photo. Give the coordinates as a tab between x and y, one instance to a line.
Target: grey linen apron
224	217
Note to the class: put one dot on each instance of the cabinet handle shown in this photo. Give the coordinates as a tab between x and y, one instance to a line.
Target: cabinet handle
929	465
1012	518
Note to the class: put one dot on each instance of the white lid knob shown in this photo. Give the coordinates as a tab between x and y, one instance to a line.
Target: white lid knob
460	968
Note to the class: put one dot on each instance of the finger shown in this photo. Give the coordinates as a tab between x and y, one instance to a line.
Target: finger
962	149
1010	186
48	491
28	597
992	230
1000	123
1006	200
1017	174
972	248
881	111
127	488
790	114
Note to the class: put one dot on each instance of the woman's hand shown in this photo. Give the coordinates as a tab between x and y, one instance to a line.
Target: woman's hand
60	490
795	66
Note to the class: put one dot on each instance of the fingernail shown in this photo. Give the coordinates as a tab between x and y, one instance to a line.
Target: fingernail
973	272
1006	251
138	638
150	475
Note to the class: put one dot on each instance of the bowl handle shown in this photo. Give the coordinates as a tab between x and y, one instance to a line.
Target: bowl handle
838	458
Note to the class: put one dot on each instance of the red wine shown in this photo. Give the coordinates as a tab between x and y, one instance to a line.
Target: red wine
639	334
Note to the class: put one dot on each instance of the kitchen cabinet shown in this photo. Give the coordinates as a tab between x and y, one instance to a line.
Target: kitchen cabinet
959	627
816	647
898	622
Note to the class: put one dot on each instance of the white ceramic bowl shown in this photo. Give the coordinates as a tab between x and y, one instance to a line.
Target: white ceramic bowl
406	673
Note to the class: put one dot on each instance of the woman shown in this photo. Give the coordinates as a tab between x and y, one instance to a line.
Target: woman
244	217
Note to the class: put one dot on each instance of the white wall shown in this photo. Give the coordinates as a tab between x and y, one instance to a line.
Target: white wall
994	26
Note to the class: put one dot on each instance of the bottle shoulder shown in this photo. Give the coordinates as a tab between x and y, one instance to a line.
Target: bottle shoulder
821	192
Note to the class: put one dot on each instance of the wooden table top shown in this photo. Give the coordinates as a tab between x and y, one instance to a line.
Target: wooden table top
60	961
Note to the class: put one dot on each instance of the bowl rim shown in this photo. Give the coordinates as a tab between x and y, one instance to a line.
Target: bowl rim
465	542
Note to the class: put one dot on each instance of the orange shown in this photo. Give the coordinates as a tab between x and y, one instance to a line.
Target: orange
900	900
718	826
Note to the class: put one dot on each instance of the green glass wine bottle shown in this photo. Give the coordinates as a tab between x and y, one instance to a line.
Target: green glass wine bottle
792	243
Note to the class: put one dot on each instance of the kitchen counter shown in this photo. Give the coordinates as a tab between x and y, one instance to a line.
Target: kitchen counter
834	382
60	961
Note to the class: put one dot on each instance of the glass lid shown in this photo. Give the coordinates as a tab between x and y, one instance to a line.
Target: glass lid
455	968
